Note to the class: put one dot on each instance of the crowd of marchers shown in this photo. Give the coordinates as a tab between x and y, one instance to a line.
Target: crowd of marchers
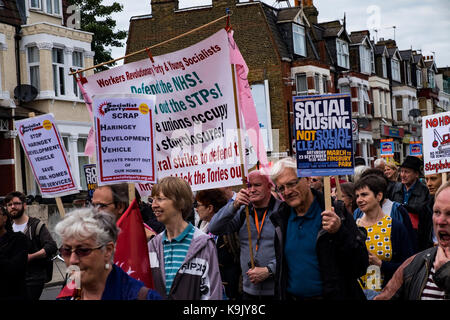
385	236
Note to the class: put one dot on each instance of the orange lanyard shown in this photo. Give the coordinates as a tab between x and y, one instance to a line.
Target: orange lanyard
258	227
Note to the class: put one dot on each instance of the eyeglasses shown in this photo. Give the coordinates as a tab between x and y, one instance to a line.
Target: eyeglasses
287	186
16	204
101	205
80	252
314	179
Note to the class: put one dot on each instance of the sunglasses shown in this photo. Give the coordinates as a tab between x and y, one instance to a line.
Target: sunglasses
66	252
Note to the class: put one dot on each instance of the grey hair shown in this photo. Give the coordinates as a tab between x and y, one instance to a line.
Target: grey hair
88	223
280	165
379	161
359	170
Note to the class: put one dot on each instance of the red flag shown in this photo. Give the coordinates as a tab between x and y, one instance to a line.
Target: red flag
131	248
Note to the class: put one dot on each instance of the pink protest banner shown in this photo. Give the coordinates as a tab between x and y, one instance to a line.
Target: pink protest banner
195	120
247	105
47	156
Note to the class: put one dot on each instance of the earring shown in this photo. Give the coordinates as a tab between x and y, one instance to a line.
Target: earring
107	266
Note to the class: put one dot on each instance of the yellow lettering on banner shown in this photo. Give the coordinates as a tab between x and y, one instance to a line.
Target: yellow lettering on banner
306	135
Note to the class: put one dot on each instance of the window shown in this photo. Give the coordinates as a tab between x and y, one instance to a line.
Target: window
408	73
298	37
419	78
77	64
325	84
383	62
82	160
58	71
366	59
52	7
35	4
345	89
430	79
317	82
342	53
33	63
302	85
396	70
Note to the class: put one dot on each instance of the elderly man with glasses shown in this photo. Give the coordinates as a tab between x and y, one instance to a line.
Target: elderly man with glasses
320	253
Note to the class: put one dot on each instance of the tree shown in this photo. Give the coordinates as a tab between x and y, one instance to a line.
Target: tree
96	18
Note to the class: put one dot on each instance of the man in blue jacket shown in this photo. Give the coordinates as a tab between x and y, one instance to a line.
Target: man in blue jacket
320	253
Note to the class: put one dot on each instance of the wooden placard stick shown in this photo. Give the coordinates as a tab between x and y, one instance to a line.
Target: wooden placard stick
244	178
444	177
131	193
327	192
58	200
338	188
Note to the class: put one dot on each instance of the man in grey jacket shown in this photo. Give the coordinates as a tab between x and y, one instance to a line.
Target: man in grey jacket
258	282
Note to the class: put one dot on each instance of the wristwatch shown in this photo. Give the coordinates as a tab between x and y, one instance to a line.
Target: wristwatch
270	271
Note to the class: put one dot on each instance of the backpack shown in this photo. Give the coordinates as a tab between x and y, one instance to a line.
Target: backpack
48	260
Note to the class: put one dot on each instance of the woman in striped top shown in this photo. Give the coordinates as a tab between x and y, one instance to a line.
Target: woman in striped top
183	259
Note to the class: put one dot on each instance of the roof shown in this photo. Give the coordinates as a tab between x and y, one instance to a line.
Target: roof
272	20
379	49
288	14
391	51
332	28
406	54
358	37
417	58
9	13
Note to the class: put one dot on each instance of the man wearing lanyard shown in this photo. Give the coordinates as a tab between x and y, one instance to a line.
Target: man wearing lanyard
258	282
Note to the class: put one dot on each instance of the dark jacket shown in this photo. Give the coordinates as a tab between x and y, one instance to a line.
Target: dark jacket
418	204
342	256
416	273
36	271
13	266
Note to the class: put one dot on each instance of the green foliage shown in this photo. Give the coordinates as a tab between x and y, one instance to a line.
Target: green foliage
96	18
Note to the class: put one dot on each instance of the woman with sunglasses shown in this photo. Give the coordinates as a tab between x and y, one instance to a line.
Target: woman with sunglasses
13	260
88	243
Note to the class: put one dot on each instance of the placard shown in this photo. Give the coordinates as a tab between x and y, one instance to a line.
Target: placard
47	156
415	148
90	173
387	148
124	133
195	120
436	143
323	131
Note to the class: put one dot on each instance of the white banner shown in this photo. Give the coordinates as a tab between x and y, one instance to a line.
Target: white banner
47	156
436	143
195	120
124	134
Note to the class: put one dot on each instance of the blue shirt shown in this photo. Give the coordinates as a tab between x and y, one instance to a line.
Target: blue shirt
175	252
304	279
407	193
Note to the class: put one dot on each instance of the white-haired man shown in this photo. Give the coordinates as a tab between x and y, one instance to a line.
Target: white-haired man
320	253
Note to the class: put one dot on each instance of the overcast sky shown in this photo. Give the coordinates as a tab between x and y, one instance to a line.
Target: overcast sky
420	24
